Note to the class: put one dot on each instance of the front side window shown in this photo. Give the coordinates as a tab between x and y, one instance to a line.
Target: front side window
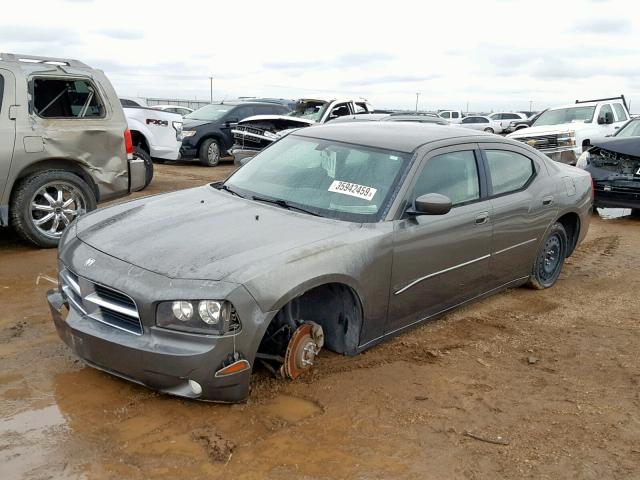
606	113
241	113
361	107
340	110
445	115
509	171
332	179
468	120
622	115
454	175
66	98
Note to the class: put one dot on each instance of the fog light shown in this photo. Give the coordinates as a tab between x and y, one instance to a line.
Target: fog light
195	387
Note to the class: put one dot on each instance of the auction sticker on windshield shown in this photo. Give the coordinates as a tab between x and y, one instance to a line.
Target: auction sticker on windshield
353	189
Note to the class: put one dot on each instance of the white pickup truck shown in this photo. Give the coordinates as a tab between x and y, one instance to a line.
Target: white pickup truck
156	134
564	132
452	116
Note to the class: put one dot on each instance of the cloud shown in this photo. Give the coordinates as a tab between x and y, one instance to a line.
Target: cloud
348	60
122	34
603	26
30	35
378	80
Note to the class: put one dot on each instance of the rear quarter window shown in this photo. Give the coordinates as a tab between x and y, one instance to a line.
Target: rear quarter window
622	115
66	98
509	171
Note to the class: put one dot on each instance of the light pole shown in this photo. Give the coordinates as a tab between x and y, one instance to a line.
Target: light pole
417	95
531	105
211	85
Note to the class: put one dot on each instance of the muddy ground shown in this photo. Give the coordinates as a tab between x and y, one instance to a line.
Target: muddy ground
550	377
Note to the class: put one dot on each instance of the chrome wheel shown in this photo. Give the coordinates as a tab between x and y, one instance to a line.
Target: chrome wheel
54	206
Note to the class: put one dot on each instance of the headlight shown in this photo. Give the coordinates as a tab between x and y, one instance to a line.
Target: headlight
583	160
188	133
212	317
567	139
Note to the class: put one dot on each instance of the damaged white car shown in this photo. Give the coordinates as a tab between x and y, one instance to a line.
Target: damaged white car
255	133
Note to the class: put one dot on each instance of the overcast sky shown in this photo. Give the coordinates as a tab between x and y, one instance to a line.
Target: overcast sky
493	54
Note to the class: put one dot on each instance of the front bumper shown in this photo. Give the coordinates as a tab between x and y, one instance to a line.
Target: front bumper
160	359
568	155
617	195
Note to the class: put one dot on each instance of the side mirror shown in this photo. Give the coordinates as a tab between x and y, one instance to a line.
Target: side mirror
232	122
608	118
601	121
432	204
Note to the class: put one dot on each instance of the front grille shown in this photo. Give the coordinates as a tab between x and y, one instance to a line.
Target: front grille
100	303
541	142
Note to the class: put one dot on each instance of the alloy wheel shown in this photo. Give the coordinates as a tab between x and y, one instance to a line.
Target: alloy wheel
54	206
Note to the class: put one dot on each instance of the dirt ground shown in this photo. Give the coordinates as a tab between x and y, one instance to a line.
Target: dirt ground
526	384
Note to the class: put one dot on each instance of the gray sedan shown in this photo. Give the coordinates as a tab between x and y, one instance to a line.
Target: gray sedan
337	235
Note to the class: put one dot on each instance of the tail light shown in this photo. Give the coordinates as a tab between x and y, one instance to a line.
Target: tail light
128	144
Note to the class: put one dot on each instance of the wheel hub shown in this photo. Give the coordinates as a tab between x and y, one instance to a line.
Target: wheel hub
304	346
54	206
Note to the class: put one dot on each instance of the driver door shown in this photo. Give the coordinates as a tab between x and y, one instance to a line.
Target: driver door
439	261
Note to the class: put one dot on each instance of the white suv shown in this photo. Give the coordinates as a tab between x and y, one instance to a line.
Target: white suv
505	119
564	132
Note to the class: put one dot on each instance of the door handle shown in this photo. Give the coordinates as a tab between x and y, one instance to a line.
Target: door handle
482	218
547	201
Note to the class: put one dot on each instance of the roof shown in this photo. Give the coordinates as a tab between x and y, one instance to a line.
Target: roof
397	136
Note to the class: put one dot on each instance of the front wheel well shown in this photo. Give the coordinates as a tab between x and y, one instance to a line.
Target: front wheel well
571	223
336	307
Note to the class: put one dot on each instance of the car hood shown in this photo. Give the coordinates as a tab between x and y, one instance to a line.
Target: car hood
549	129
201	233
626	146
191	123
304	122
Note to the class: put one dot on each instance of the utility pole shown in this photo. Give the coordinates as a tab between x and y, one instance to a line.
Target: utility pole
531	105
211	85
417	95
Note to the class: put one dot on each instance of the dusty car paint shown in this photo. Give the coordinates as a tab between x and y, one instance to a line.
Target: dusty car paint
403	269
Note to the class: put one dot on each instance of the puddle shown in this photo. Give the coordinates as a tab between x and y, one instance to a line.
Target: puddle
291	409
27	442
612	213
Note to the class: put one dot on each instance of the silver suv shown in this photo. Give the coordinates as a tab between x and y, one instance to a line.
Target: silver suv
64	145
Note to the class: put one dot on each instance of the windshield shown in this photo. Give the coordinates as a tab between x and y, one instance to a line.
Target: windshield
332	179
310	109
565	115
210	112
631	129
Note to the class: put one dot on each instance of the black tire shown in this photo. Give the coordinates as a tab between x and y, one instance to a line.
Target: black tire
209	153
550	259
489	130
138	152
28	192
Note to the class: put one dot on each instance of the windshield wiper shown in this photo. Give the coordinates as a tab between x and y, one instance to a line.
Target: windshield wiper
284	204
230	190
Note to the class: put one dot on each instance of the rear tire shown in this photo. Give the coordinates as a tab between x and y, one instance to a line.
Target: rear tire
138	152
550	259
488	130
39	215
209	153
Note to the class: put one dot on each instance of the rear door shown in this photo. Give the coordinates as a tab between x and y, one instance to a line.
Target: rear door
440	261
7	125
523	205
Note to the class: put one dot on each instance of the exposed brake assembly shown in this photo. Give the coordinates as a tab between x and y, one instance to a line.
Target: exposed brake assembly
304	345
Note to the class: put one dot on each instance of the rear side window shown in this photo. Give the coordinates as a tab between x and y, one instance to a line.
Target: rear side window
509	171
454	114
622	115
62	98
452	174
